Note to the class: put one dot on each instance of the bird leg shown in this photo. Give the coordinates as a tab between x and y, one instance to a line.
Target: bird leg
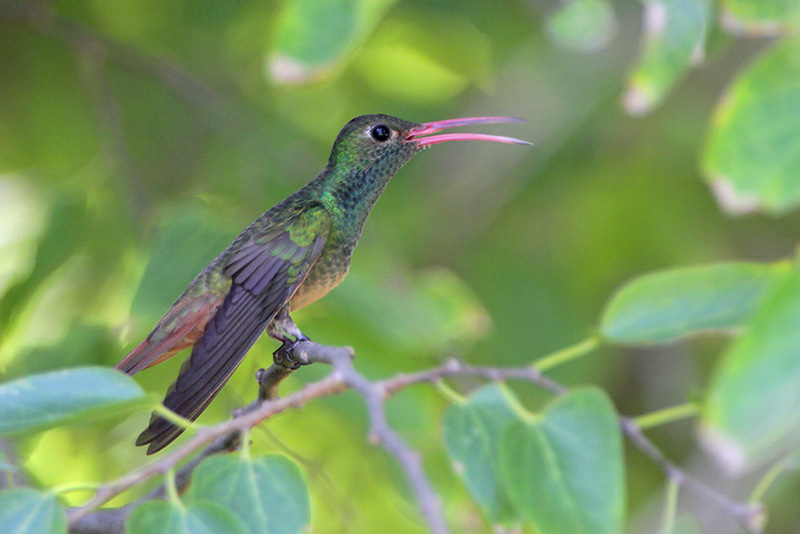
282	328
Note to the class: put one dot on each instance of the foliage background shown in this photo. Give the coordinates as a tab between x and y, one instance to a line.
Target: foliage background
121	176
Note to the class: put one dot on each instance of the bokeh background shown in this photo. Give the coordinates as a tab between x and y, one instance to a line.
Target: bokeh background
138	138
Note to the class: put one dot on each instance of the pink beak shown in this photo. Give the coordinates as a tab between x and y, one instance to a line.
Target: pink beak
433	127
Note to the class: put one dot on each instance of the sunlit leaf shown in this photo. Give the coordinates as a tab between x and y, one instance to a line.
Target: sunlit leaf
268	493
313	37
564	469
426	61
753	150
583	25
27	511
83	344
761	17
674	38
52	399
64	233
753	404
472	433
667	305
166	517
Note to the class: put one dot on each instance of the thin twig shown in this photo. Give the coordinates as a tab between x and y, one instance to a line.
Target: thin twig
217	111
109	119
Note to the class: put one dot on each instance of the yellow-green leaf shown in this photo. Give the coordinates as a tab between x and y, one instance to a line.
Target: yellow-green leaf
753	150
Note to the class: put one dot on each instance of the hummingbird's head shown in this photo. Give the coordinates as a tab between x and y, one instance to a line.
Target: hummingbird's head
389	142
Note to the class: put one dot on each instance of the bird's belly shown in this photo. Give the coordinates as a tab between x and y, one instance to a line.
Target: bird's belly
316	286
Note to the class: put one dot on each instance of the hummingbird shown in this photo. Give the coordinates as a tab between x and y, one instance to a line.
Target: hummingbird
291	256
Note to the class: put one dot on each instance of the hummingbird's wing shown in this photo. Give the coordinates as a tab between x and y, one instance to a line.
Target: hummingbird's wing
264	273
180	328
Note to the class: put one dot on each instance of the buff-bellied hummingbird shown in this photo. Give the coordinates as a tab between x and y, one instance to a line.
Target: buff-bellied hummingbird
289	257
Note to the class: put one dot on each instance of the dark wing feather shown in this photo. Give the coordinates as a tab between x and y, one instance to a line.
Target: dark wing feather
264	278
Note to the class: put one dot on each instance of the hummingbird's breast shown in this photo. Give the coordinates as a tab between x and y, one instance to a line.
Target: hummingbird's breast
328	271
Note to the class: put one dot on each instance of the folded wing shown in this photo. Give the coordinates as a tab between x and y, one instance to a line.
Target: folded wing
264	276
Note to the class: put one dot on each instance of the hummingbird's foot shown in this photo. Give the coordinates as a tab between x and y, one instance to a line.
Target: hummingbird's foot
284	355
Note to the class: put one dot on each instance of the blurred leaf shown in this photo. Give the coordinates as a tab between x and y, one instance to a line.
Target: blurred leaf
65	232
313	37
52	399
761	17
752	153
27	511
472	433
674	38
84	344
166	517
564	468
436	305
583	25
684	525
664	306
268	493
752	411
188	240
425	61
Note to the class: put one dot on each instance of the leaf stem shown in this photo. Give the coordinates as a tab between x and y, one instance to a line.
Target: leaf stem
670	506
449	393
567	354
246	443
667	415
172	488
76	486
174	418
766	481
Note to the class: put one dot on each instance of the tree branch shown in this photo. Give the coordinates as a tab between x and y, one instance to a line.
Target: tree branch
224	436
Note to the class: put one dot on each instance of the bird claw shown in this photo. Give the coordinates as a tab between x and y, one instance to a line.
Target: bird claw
283	355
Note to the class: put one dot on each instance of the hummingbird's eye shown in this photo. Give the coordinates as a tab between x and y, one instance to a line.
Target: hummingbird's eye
381	132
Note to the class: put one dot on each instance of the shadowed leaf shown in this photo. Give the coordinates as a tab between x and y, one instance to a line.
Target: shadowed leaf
268	493
564	469
665	306
167	517
51	399
27	511
753	406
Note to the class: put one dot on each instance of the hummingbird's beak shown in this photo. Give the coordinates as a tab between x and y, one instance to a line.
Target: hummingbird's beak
433	127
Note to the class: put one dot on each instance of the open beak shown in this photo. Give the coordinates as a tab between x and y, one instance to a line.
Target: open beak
433	127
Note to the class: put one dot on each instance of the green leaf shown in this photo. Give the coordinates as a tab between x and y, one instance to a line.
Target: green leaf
752	411
313	37
27	511
188	240
564	469
472	433
166	517
52	399
674	38
667	305
753	150
761	17
268	493
583	25
65	233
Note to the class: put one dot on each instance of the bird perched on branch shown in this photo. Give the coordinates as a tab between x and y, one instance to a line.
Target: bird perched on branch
289	257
